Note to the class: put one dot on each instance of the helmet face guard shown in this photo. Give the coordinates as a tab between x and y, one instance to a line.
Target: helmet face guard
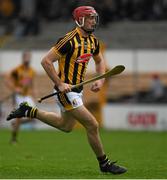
80	13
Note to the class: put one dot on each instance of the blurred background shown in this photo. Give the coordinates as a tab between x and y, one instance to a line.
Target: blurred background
132	33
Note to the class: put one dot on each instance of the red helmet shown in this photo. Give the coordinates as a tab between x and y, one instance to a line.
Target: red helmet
81	12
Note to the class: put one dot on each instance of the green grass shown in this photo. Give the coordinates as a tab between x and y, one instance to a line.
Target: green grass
53	154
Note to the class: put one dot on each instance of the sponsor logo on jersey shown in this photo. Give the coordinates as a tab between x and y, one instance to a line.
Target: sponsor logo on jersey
84	58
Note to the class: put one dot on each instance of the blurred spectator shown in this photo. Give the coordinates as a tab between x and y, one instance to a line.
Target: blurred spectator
6	8
164	7
156	89
28	18
6	13
105	10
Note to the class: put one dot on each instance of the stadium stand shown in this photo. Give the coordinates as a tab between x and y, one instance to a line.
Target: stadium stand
123	23
139	35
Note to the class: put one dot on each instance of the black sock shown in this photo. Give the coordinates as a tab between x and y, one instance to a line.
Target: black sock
103	160
31	112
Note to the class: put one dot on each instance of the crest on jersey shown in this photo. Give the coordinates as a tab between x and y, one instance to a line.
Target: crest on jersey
84	58
74	102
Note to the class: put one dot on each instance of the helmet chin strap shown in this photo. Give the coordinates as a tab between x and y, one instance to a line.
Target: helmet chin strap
82	24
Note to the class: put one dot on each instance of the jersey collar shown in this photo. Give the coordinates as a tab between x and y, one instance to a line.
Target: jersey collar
80	33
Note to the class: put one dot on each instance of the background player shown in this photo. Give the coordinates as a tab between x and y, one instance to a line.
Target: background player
20	81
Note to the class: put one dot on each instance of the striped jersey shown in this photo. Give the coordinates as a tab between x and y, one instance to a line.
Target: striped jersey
75	51
23	78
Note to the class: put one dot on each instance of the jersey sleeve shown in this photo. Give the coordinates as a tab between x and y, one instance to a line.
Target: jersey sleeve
62	46
97	50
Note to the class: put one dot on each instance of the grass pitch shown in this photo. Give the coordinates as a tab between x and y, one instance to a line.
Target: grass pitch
53	154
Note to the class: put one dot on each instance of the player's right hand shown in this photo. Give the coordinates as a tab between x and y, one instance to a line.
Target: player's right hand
64	87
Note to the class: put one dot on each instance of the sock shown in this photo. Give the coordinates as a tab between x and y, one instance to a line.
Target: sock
103	160
31	112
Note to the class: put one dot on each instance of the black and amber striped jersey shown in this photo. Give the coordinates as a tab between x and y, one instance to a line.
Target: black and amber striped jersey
75	51
23	78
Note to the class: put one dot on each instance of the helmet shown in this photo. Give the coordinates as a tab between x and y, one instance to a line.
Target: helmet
81	12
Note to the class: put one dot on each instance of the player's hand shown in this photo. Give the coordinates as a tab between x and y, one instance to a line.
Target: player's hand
64	87
96	86
18	90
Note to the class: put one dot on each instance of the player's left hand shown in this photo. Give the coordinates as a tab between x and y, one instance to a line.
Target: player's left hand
96	86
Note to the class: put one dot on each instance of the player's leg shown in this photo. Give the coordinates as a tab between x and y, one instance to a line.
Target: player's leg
68	122
15	130
62	122
16	123
92	129
91	126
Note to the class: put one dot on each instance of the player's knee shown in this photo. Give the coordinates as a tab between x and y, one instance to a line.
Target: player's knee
93	126
96	125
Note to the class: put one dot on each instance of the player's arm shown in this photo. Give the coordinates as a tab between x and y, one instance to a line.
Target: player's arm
33	87
9	81
100	64
47	63
100	69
